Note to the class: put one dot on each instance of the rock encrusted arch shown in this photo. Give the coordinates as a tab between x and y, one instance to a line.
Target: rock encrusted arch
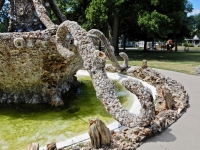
53	40
94	62
97	34
81	50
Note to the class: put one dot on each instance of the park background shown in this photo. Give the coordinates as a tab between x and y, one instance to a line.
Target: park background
126	23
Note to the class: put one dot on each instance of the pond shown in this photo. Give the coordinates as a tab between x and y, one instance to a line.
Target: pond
23	124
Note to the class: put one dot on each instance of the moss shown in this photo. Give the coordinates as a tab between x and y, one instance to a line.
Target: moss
23	124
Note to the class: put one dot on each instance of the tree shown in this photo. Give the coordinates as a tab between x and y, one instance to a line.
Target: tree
133	19
4	17
196	24
103	14
162	18
181	25
136	19
115	16
75	10
54	12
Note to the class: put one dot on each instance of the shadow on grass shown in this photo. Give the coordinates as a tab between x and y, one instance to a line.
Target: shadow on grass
162	56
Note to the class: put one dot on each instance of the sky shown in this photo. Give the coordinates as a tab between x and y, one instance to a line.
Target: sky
196	6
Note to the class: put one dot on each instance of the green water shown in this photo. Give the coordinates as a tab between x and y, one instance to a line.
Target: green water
23	124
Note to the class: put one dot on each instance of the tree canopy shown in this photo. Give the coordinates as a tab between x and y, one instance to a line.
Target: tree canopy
196	24
4	17
132	19
136	19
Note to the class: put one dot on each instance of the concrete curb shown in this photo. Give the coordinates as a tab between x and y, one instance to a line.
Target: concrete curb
183	134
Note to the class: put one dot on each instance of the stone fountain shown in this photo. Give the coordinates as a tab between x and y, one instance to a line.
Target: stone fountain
38	61
38	66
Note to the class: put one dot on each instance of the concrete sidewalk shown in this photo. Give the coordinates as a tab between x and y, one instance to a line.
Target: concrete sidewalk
185	133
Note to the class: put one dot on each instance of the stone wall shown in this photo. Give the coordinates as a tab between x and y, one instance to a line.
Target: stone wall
32	68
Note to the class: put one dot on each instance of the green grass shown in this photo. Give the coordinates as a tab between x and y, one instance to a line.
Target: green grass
184	62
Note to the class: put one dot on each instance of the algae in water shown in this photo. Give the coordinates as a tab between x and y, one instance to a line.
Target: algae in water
23	124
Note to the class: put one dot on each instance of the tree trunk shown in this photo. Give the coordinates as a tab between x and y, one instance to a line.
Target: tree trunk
145	45
100	45
110	32
175	42
124	43
56	10
1	3
114	41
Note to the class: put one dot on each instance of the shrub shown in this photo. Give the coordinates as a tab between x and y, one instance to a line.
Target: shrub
191	45
185	44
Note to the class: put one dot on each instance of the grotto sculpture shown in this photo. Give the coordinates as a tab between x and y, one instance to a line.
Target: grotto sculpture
38	66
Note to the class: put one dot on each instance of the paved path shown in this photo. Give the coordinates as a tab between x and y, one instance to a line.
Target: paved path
185	133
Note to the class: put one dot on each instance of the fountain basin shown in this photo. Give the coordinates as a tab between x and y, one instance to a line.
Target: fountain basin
133	108
21	125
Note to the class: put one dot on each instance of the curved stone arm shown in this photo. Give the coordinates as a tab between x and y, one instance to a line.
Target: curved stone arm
106	94
125	57
61	34
1	3
94	33
42	14
94	62
56	10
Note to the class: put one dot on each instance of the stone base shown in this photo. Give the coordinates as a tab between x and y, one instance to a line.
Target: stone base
197	71
53	94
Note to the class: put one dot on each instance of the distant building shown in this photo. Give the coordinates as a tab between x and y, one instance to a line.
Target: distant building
150	45
195	41
140	43
127	44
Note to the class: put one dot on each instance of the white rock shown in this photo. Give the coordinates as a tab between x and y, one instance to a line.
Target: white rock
197	71
131	69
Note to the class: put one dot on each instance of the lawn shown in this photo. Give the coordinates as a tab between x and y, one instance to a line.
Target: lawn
184	62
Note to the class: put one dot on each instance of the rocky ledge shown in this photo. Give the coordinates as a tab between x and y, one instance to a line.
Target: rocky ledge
170	103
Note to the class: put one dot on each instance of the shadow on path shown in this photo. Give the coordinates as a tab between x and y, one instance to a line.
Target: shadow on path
168	137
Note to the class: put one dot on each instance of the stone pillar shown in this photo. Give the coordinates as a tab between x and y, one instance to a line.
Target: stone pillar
168	98
144	64
33	146
51	146
197	71
99	133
